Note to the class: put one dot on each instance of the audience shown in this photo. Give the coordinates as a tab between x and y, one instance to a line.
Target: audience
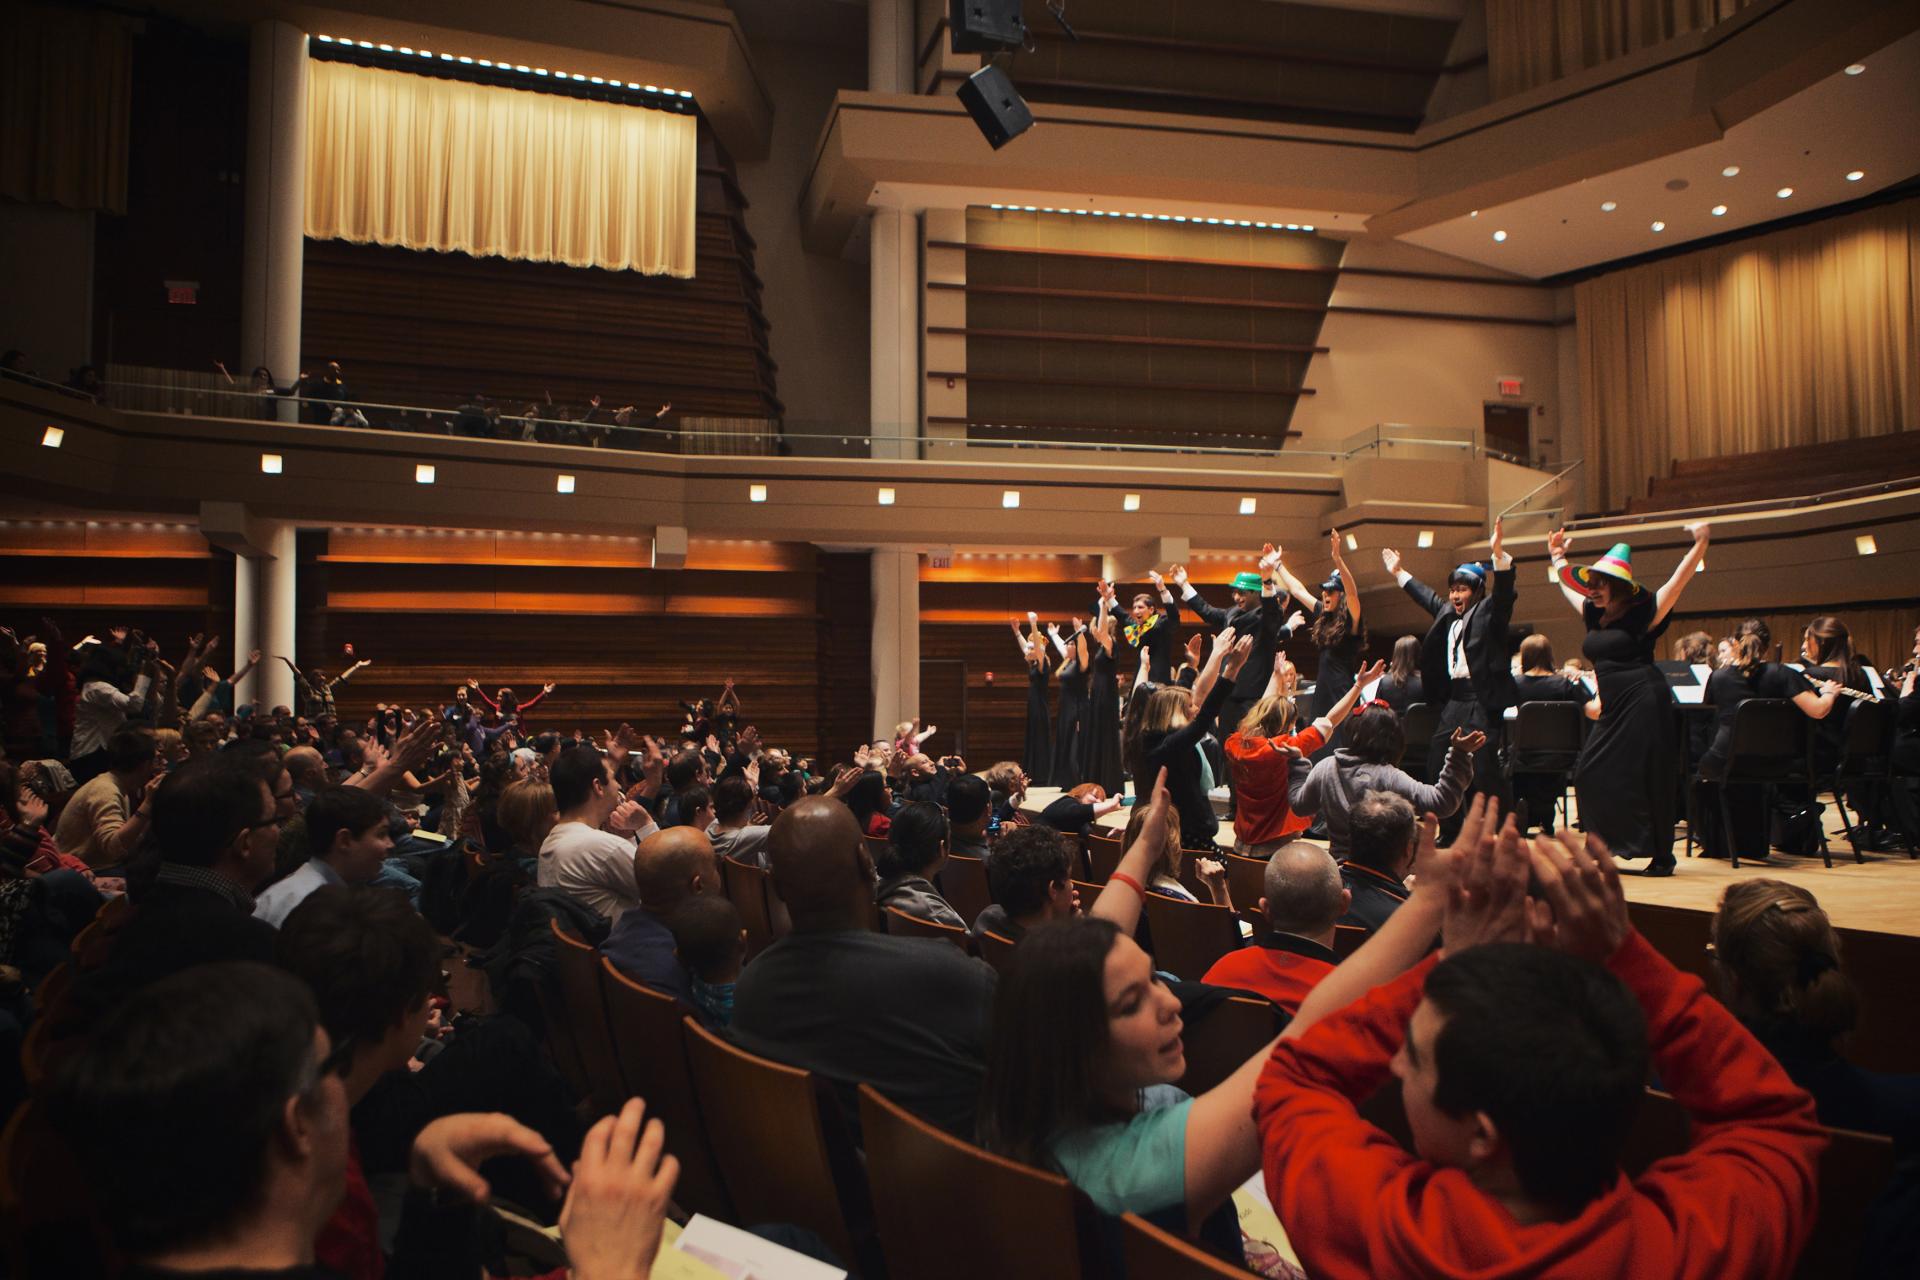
1261	752
1379	856
1375	743
969	801
916	850
668	868
734	833
1304	898
1030	882
1164	875
106	819
589	853
711	942
348	839
909	1016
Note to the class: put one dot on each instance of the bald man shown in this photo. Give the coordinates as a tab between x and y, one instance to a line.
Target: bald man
1304	897
910	1016
669	867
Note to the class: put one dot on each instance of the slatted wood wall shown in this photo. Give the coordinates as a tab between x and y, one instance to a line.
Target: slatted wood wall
417	328
89	576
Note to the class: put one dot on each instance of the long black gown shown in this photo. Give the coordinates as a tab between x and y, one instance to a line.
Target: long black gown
1037	757
1626	776
1333	678
1069	758
1103	764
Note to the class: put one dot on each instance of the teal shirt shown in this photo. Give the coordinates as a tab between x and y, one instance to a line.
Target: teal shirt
1131	1166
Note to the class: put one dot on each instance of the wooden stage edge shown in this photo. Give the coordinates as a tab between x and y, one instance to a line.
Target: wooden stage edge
1881	895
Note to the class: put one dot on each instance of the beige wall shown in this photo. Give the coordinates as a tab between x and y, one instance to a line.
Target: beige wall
817	305
1425	372
46	285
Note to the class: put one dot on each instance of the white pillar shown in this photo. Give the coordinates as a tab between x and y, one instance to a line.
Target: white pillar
896	639
890	46
894	375
246	632
277	570
276	200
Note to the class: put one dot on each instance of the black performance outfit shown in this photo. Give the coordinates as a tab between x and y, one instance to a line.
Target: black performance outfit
1727	688
1102	723
1178	753
1158	640
1625	780
1264	624
1068	747
1037	755
1465	656
1400	696
1334	676
1539	792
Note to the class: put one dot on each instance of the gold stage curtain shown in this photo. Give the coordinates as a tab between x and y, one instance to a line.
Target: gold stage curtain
1534	42
1804	336
424	163
66	81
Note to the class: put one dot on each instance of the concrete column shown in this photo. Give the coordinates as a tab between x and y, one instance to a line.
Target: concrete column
894	377
896	639
890	46
276	201
277	570
245	636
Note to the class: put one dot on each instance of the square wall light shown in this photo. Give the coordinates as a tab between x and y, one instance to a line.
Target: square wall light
563	484
1130	503
886	497
1010	498
756	493
1426	538
1865	544
423	473
1248	506
52	437
270	463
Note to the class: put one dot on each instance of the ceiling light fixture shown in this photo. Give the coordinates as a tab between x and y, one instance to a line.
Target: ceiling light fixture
1131	502
1731	171
1353	543
1009	498
1608	206
886	497
1784	192
1659	226
1855	68
1856	174
423	473
1719	211
1248	506
1500	237
1426	538
563	484
1188	219
52	437
756	493
1865	545
270	464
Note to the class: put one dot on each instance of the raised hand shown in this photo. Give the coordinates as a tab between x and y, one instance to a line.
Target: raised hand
448	1153
31	807
1390	558
612	1221
1159	583
1498	543
548	687
1557	543
1296	620
1469	740
1581	886
1487	898
627	817
1371	673
843	780
1153	827
1702	532
1179	575
1237	655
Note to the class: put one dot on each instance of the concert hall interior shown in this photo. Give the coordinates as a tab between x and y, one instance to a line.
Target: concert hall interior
1077	637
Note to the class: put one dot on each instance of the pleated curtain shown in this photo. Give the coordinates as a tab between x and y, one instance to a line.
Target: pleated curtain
1534	42
424	163
1805	336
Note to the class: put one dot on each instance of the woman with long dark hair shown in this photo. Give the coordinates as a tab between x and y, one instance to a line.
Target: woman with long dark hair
1069	742
1401	686
1826	650
1337	634
1037	754
872	802
1625	779
1102	764
1166	734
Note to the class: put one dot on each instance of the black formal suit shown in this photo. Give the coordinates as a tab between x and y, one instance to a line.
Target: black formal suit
1489	670
1266	625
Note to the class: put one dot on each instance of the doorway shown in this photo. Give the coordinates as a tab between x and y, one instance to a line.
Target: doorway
1509	430
943	702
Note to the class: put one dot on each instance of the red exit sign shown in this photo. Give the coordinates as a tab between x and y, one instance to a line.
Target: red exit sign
1513	388
183	293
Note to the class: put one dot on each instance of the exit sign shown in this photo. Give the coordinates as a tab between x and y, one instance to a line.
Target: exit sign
940	558
183	293
1513	388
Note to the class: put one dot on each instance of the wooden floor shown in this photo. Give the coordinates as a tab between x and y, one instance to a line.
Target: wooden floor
1880	896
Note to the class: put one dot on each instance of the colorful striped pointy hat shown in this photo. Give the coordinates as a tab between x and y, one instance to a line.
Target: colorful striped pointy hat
1617	563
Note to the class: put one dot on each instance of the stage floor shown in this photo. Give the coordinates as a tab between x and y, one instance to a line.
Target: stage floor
1882	895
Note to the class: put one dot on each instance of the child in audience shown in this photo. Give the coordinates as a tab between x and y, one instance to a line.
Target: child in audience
1370	762
1165	880
1262	750
711	941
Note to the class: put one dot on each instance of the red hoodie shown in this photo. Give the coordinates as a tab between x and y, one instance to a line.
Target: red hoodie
1739	1202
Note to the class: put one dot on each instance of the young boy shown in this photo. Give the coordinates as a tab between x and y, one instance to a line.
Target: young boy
711	942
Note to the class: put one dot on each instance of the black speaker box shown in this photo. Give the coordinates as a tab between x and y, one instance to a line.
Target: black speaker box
978	26
995	105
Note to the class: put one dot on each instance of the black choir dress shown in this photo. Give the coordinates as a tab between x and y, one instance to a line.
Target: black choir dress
1333	678
1626	779
1727	688
1069	751
1103	722
1037	757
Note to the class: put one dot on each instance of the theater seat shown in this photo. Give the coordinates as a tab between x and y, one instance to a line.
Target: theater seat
1219	1043
578	967
1153	1254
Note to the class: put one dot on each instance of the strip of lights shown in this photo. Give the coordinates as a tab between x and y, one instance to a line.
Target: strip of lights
521	67
1194	220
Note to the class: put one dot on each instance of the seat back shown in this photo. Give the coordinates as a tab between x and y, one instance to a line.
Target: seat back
1104	852
766	1125
1149	1251
963	883
1420	723
577	969
1854	1169
1548	735
1866	749
947	1208
996	951
902	925
46	1214
1347	939
650	1046
1189	936
1768	741
1220	1041
751	891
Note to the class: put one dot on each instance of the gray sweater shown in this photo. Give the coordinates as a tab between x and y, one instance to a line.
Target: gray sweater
1334	785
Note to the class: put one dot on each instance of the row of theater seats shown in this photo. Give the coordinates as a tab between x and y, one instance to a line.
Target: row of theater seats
1781	473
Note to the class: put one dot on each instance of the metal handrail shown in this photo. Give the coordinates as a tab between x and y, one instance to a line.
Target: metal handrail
1528	496
1755	504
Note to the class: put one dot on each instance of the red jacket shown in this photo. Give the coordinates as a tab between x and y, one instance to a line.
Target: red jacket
1260	810
1283	970
1739	1202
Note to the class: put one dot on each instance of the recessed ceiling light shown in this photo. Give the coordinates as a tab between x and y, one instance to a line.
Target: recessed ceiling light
1856	174
756	493
1248	506
1353	543
1130	503
1474	214
1608	206
423	473
1426	538
1659	226
270	463
1784	192
1865	544
1854	69
52	437
563	484
1731	171
1719	211
1500	236
886	497
1010	498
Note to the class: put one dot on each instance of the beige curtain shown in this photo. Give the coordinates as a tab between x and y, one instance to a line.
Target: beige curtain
1804	336
66	80
1533	42
423	163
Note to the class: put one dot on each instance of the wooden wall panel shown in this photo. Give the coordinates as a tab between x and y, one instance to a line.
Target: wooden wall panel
844	643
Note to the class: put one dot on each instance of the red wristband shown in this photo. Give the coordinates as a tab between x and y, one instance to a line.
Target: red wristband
1131	883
